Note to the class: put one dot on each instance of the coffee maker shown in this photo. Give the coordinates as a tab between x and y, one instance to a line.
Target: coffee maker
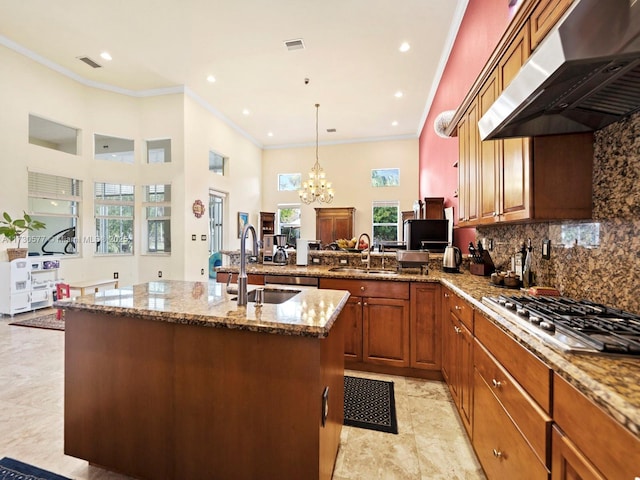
280	254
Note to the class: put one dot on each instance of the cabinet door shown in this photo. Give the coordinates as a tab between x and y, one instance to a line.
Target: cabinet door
386	331
568	463
324	230
465	375
501	449
469	141
544	17
489	161
516	152
447	333
424	326
342	227
351	316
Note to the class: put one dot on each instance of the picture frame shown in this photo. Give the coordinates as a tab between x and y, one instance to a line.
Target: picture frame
243	220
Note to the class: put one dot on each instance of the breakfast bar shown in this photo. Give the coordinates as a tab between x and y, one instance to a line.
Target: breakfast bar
172	379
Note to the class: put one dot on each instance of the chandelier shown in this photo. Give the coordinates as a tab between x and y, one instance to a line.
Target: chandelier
317	187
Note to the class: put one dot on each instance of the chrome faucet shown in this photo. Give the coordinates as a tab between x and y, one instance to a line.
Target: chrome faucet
242	276
366	255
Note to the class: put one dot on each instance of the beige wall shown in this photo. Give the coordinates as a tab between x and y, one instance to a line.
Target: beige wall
32	88
348	167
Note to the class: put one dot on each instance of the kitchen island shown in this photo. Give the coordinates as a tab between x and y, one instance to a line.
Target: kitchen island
173	380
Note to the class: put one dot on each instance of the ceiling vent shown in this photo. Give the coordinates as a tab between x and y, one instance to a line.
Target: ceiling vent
89	62
331	130
296	44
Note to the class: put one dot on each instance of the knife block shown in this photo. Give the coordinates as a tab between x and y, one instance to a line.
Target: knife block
481	269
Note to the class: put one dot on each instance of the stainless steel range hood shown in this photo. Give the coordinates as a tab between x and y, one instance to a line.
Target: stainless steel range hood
584	76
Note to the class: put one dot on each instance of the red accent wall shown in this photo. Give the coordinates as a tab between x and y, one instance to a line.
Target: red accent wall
483	24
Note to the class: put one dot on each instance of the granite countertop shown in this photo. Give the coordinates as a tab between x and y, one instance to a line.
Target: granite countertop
611	382
310	313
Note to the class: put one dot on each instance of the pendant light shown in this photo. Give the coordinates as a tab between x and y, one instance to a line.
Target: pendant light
316	188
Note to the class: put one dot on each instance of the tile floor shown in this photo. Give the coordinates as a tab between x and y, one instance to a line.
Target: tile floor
430	445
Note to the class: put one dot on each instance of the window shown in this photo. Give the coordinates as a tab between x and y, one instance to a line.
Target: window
289	222
55	201
385	177
159	151
114	218
385	222
217	163
113	149
289	182
56	136
157	212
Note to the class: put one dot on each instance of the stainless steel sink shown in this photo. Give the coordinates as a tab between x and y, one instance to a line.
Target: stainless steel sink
272	295
360	271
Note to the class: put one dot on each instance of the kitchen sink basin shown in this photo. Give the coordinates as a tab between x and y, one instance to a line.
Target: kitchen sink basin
272	295
359	271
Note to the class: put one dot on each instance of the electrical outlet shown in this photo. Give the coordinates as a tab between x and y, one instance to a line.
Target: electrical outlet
546	249
193	237
343	261
315	260
202	271
159	273
115	275
203	238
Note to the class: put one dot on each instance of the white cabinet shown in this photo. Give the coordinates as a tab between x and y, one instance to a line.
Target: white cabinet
44	277
27	284
15	286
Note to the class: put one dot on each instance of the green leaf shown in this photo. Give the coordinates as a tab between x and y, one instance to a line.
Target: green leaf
6	217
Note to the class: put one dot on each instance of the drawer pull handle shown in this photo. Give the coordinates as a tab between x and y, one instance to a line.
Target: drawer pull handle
497	453
365	304
359	303
496	383
446	295
362	289
457	329
458	307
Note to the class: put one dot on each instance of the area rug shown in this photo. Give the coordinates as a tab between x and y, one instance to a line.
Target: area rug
370	404
11	469
47	321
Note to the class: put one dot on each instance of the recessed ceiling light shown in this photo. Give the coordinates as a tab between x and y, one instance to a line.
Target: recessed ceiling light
211	79
405	47
398	94
105	56
270	134
394	123
246	111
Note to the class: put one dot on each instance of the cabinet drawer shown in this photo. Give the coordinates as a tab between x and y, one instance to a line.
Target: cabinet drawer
368	288
462	311
501	449
614	451
533	422
39	295
529	371
252	278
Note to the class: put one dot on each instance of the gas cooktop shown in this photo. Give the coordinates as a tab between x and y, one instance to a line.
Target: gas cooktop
572	325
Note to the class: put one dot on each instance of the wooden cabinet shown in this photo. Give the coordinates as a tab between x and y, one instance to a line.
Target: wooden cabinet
544	17
568	462
497	178
457	347
424	326
588	432
501	449
334	223
267	224
376	321
351	317
490	161
252	278
468	142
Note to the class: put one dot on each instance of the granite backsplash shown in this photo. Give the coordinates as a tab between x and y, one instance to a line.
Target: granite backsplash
598	259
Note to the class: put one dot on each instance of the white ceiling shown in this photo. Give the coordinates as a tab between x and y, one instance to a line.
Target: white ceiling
351	57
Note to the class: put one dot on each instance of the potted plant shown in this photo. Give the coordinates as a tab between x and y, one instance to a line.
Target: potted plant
14	228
